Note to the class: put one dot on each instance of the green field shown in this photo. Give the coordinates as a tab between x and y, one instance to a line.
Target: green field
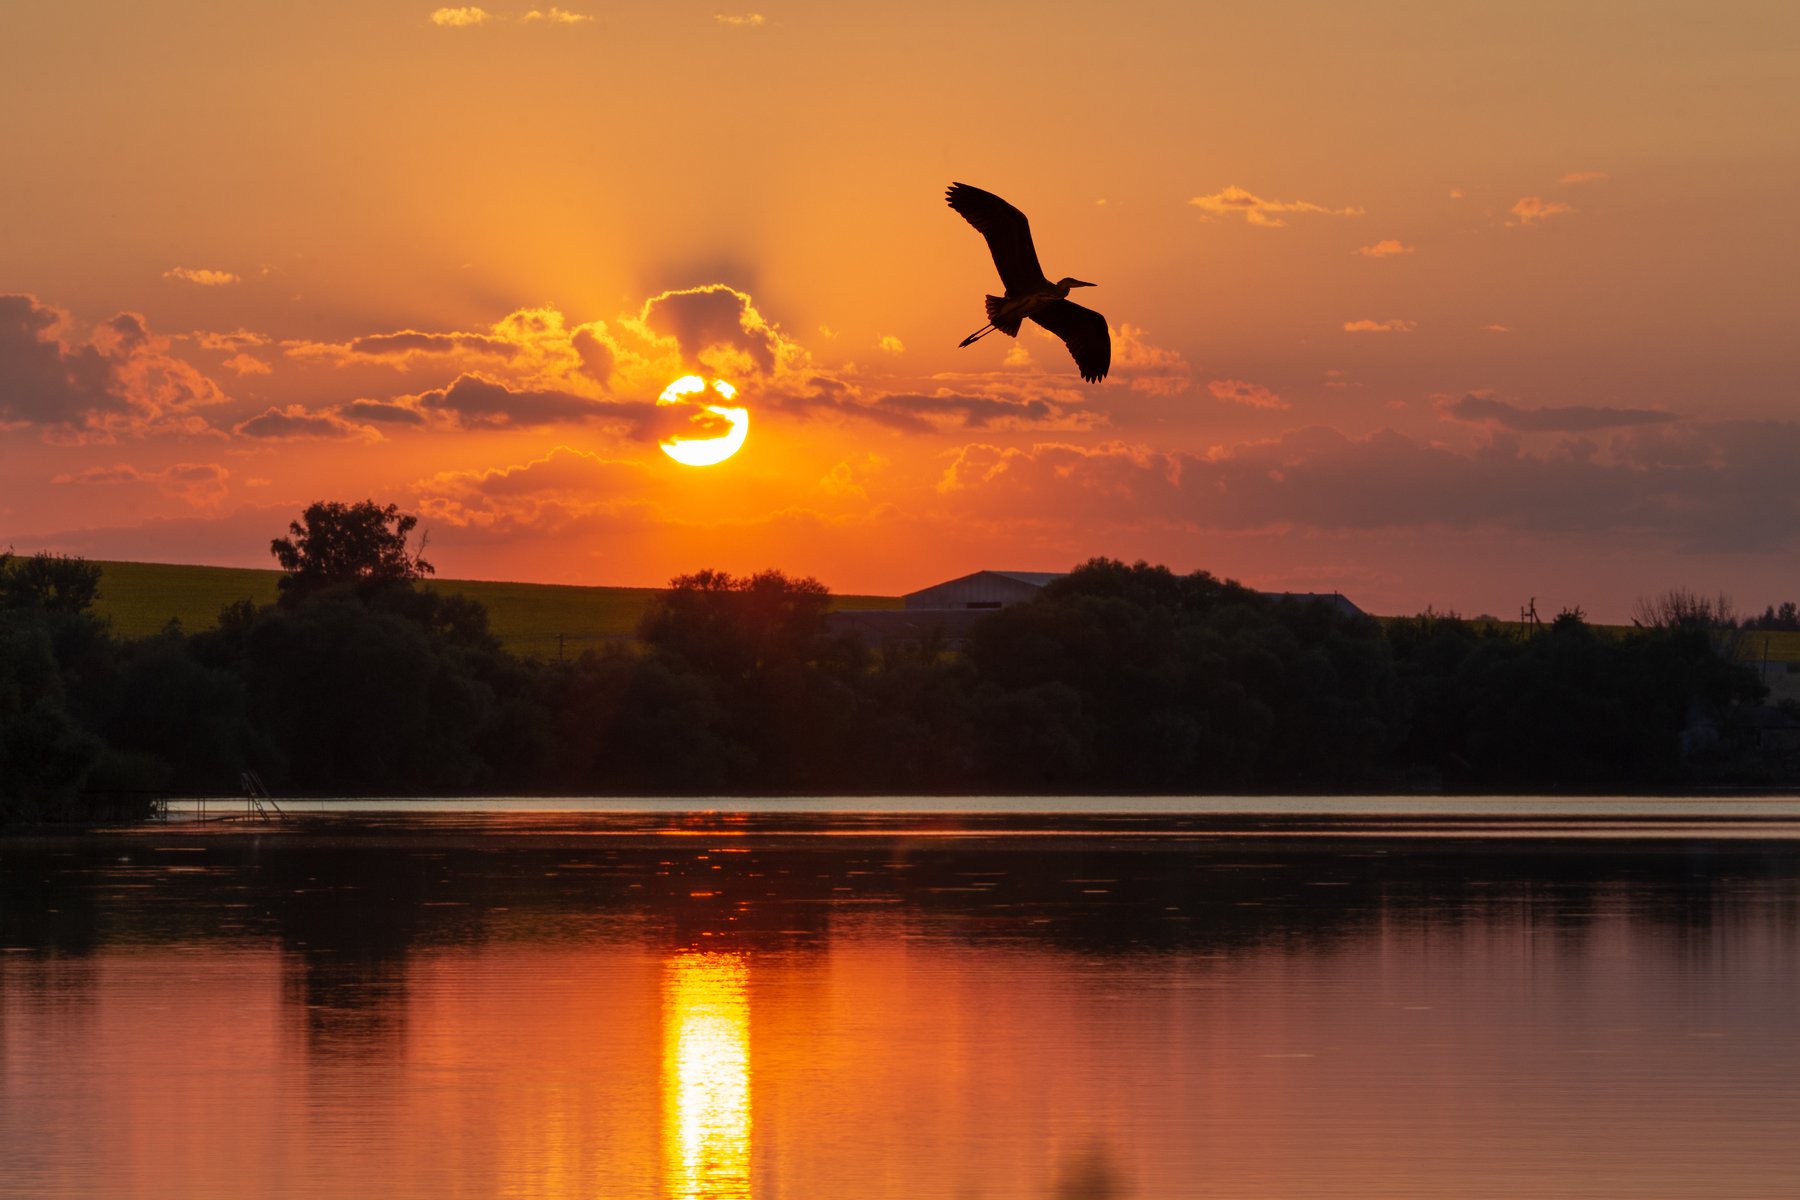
535	619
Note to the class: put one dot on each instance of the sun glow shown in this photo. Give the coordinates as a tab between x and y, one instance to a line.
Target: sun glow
706	1076
705	452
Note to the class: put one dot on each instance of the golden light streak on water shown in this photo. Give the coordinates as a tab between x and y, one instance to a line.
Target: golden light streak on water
706	1077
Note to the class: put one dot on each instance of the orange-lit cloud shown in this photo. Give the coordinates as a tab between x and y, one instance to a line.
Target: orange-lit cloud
889	344
1578	177
201	276
1144	367
1496	329
460	18
1386	248
741	20
248	364
1392	325
232	343
1235	201
557	16
1237	391
1533	210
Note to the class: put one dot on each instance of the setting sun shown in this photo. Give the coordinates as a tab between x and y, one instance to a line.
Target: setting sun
705	452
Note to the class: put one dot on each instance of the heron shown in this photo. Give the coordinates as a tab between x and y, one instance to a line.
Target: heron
1029	293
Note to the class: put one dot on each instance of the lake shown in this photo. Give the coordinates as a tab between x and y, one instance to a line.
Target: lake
976	1000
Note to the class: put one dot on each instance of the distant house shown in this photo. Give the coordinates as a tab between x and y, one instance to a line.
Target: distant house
1337	600
982	590
949	610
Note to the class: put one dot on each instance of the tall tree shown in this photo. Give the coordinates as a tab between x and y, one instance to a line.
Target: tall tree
335	543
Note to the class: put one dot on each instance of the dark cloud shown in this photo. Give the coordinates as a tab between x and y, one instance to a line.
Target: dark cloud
1572	418
295	422
715	315
391	345
913	411
382	412
122	381
476	401
597	358
42	381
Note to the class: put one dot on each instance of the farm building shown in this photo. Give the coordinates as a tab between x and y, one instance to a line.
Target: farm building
948	610
982	590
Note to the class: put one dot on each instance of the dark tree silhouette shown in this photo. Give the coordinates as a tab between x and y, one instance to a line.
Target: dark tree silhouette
729	625
51	583
335	543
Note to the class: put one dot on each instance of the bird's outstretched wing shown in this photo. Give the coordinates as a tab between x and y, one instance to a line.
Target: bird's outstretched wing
1008	236
1084	331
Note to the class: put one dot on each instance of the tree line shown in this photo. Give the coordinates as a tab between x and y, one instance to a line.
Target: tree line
1117	678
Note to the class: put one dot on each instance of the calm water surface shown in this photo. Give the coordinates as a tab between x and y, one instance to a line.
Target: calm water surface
908	1001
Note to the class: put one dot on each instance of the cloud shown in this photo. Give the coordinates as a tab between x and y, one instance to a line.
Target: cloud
716	326
409	342
1237	391
405	348
1144	367
460	18
1235	201
1392	325
946	408
476	401
1534	210
42	380
1575	418
246	364
231	343
1579	177
889	344
382	412
201	276
121	381
1702	488
200	484
295	423
551	491
1496	329
740	19
533	367
557	16
1386	248
1110	482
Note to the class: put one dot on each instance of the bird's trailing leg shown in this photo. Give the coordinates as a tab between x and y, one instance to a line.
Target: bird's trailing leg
998	318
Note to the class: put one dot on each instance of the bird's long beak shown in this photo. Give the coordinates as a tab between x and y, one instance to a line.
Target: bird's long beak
1081	283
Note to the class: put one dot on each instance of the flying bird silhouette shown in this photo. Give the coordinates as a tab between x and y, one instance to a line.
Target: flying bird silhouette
1028	292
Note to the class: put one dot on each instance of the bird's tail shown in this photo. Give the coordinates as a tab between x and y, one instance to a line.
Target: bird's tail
1008	326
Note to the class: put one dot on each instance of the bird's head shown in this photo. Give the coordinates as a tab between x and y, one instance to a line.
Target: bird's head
1065	283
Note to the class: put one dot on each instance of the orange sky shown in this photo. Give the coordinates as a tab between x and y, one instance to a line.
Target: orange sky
1451	306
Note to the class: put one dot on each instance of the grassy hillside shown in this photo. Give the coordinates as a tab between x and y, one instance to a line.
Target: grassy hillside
529	618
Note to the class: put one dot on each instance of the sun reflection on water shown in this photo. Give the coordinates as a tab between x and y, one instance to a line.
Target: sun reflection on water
706	1076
